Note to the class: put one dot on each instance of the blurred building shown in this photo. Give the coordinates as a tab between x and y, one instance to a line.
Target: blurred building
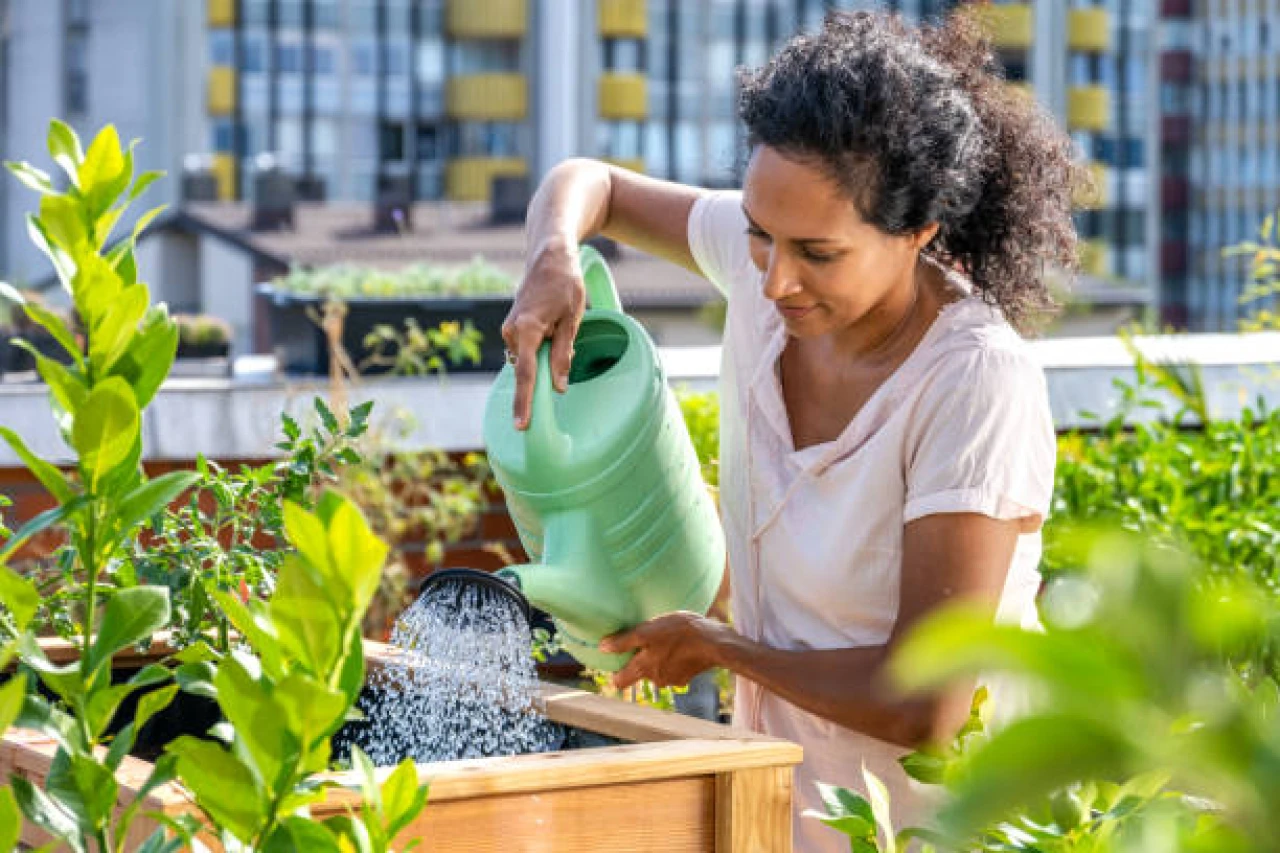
393	102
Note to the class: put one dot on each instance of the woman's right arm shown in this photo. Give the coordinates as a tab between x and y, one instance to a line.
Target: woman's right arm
577	199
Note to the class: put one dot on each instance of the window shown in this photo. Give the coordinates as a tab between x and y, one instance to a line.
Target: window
221	48
391	141
224	137
427	145
289	58
254	60
324	60
363	60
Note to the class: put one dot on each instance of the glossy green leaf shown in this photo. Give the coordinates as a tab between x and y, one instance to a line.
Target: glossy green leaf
42	811
117	326
103	175
403	798
56	327
20	596
82	786
43	521
64	147
315	712
149	356
303	616
152	497
1029	759
357	556
49	476
62	223
131	616
12	695
106	429
10	820
225	788
36	179
297	833
262	724
145	180
66	386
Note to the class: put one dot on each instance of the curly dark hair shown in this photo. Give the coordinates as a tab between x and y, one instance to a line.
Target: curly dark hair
917	126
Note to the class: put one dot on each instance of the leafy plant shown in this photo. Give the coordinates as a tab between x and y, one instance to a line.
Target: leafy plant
284	694
420	352
345	281
287	696
229	535
1264	270
197	330
97	399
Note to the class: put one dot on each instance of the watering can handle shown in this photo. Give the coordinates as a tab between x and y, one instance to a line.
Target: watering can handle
601	291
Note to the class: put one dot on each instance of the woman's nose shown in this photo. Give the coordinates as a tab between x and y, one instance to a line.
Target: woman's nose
779	278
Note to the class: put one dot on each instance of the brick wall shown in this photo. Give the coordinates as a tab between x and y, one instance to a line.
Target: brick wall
480	550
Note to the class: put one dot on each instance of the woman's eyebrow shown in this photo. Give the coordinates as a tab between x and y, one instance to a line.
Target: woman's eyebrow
800	240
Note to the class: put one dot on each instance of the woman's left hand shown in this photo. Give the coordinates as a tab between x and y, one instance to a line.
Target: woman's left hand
670	649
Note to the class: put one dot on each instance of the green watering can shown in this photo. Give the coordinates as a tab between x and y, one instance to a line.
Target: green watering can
604	486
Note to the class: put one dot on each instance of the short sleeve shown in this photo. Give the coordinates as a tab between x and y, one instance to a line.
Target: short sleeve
718	238
982	439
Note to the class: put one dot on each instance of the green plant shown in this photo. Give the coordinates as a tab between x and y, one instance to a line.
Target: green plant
306	665
285	698
1264	272
419	352
202	330
346	282
229	534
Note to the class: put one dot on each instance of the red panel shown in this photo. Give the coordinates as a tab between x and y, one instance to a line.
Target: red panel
1173	257
1175	130
1175	8
1174	191
1176	66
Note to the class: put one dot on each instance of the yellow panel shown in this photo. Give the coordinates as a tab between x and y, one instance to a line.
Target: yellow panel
624	96
623	18
487	19
1095	197
487	97
469	178
1095	257
1089	30
224	170
1089	108
221	95
220	13
635	164
1010	25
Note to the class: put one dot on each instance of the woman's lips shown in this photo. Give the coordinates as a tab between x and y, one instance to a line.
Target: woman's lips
794	313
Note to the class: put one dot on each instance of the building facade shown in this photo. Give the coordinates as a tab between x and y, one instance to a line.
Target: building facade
1174	105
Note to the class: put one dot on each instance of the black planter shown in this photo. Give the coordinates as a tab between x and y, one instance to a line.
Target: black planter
305	350
14	359
217	350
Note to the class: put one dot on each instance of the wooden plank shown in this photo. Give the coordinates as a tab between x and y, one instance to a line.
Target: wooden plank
753	810
672	816
583	768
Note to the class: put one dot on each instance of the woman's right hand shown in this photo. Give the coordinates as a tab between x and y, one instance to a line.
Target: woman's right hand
548	304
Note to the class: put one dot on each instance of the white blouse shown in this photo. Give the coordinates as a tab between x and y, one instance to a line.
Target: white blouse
815	535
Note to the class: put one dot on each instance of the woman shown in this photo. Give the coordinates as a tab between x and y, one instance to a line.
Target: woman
886	442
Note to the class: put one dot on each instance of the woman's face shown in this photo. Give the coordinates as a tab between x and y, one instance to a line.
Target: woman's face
825	268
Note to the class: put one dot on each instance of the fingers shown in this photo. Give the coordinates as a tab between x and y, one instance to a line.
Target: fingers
524	340
631	673
562	351
621	642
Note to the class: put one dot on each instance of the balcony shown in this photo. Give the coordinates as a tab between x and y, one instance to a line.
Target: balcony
220	13
1095	257
1089	108
623	97
471	178
487	97
492	19
1089	30
1010	26
224	172
1096	195
221	93
622	19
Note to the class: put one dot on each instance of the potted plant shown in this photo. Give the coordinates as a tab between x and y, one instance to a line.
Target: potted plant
426	295
202	336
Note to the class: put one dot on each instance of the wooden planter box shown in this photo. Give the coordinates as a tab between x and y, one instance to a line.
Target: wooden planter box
677	784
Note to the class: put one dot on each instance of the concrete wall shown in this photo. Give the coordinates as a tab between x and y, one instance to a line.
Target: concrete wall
226	288
169	263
